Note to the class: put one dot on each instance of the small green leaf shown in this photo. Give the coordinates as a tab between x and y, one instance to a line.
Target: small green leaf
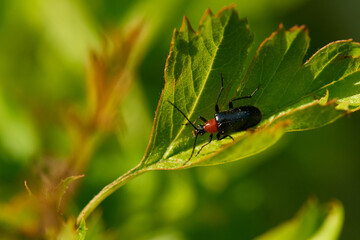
62	187
313	222
81	231
332	225
69	232
290	91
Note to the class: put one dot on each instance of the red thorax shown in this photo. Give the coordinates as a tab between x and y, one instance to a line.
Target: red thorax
211	126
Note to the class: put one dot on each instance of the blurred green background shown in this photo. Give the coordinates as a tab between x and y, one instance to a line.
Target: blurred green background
45	46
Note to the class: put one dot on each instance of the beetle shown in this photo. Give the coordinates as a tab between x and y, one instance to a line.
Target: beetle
224	122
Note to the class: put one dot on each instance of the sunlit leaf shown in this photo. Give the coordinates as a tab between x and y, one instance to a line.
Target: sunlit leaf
314	221
300	94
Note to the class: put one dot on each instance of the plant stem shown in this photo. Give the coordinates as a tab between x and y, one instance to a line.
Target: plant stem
108	190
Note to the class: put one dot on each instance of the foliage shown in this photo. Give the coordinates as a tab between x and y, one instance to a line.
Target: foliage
293	96
289	90
54	128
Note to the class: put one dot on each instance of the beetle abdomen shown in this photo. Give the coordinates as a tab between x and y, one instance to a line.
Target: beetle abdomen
237	119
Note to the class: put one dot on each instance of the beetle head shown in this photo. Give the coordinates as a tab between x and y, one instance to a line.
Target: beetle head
200	130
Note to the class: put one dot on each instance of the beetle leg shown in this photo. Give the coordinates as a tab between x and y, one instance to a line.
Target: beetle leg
230	137
210	139
219	137
221	89
239	98
192	153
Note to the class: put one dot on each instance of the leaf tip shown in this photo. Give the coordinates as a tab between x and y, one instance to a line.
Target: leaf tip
173	36
272	35
186	26
228	8
171	47
233	5
334	203
301	28
207	13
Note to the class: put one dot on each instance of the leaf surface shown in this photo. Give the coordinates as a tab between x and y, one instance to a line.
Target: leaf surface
292	96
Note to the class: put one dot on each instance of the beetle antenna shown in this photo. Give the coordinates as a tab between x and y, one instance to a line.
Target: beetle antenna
185	118
193	150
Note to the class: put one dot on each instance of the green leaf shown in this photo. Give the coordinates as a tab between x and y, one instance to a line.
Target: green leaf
62	187
81	230
313	222
290	91
68	231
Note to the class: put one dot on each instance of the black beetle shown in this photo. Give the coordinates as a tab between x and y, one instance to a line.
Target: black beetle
225	122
